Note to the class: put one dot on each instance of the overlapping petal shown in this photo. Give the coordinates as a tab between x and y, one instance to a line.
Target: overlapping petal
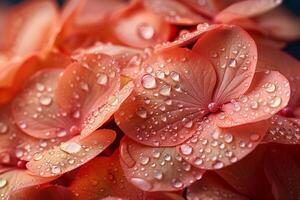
269	93
170	96
234	55
212	147
70	154
156	169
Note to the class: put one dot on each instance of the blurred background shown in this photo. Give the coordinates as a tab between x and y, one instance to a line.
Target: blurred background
292	5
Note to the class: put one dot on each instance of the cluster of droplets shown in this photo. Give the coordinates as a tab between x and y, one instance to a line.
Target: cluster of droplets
216	148
151	167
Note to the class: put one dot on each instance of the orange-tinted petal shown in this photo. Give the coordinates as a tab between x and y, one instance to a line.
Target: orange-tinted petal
247	176
246	9
214	148
17	179
31	27
137	27
36	111
277	60
129	59
156	169
51	192
233	54
170	96
268	94
103	178
283	130
282	168
71	154
175	12
280	23
87	84
212	187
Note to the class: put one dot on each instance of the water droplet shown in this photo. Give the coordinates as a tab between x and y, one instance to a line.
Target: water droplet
174	76
3	128
177	183
84	86
254	105
228	138
198	161
40	87
3	183
158	175
254	137
232	63
55	170
141	183
144	160
148	81
102	79
61	133
142	113
218	165
37	156
146	31
275	102
186	149
45	101
70	147
165	90
270	87
160	74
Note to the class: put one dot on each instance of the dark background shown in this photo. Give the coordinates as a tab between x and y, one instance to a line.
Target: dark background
293	5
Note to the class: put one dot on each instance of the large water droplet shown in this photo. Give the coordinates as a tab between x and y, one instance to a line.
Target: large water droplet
144	160
232	63
146	31
148	81
3	182
158	175
102	79
275	102
174	76
70	147
45	101
165	90
186	149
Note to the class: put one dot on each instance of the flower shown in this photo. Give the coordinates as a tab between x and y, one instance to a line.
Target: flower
208	103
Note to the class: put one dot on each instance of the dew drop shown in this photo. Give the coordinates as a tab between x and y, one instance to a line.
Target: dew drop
254	137
228	138
146	31
55	170
232	63
275	102
3	182
148	81
177	183
142	113
270	87
174	76
165	90
186	149
102	79
218	165
45	101
144	160
3	128
70	147
158	175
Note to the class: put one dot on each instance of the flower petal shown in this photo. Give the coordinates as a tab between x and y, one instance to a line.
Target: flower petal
17	179
129	59
31	27
214	148
146	28
283	130
246	9
71	154
282	168
87	85
275	59
243	175
280	23
36	111
108	182
175	12
172	92
268	94
51	192
212	187
156	169
233	54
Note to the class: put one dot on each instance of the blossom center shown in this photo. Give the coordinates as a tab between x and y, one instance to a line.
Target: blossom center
214	107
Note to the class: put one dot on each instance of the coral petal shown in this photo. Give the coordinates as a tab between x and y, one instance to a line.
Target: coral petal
268	94
146	28
71	154
165	169
36	111
170	95
87	84
17	179
212	187
282	168
214	148
184	15
246	9
233	54
51	192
